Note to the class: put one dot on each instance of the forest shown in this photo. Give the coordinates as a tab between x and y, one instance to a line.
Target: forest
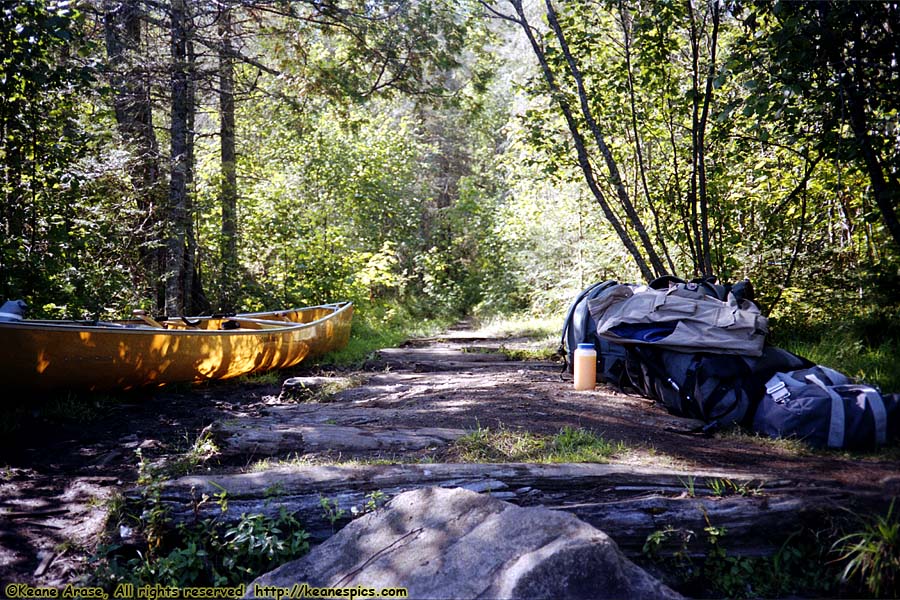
430	158
436	162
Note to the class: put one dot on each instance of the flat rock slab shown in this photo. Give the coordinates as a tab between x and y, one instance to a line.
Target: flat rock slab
628	503
306	432
440	543
444	357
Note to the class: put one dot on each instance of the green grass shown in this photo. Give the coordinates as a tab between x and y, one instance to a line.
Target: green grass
521	326
508	445
265	378
872	554
486	445
878	365
581	445
785	446
541	352
298	461
795	447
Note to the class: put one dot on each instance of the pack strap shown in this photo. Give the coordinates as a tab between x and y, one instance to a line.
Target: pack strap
647	359
706	430
879	413
838	423
686	393
565	328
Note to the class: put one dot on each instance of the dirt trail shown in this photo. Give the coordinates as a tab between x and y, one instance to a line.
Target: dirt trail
56	474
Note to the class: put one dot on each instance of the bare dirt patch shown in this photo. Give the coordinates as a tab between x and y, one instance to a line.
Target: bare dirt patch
58	473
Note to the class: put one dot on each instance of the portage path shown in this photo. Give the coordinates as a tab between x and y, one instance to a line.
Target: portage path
388	428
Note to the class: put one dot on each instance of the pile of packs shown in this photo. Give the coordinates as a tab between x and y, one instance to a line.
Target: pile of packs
700	349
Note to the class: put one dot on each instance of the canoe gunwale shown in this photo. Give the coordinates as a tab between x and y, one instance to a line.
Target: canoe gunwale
276	326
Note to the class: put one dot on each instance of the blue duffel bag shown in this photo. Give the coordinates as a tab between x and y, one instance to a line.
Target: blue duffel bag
824	409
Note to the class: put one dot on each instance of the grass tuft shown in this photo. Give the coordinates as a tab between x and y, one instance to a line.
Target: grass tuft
873	554
507	445
485	445
581	445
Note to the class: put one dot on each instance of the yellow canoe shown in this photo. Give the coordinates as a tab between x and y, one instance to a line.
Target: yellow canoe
127	354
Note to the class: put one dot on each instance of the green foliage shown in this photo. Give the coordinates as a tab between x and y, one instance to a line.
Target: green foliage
864	345
208	555
378	326
700	565
872	554
264	378
49	238
464	197
688	484
728	487
771	97
375	500
331	510
203	554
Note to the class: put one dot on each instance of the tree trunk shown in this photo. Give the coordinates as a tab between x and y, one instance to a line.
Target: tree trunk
627	23
177	213
134	118
701	146
886	193
611	164
578	139
701	240
884	187
228	190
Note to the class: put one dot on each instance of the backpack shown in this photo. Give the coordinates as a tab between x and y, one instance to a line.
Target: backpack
719	389
579	327
823	408
742	290
683	317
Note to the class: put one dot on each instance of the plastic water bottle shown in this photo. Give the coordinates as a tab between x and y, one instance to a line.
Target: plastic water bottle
585	367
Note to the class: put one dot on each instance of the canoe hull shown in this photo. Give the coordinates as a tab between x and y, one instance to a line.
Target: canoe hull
45	356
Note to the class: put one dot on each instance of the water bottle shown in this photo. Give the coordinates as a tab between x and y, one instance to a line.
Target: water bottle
585	367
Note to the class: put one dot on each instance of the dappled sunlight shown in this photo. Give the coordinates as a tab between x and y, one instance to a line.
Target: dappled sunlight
42	362
124	357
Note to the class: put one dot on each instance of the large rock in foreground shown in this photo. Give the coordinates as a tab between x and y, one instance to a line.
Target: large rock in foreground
453	543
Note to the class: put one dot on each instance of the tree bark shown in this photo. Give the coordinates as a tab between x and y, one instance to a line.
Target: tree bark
701	146
228	190
134	118
177	213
